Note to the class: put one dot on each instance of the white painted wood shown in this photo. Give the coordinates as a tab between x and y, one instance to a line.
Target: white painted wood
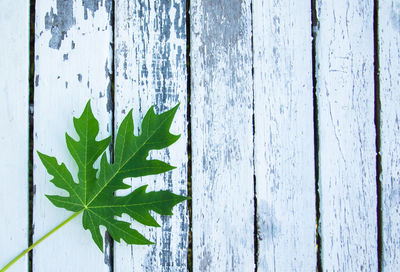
345	90
150	39
389	44
284	137
73	63
14	129
222	136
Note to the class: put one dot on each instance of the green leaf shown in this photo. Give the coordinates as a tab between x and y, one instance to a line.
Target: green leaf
94	192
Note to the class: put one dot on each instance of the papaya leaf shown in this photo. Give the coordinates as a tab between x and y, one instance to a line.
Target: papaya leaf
94	192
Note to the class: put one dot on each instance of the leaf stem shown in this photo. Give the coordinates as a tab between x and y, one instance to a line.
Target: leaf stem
39	241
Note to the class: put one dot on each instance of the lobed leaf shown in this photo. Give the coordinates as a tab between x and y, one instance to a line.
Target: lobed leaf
95	194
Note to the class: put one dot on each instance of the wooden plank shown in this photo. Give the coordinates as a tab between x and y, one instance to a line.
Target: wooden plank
389	44
151	69
284	157
73	64
14	137
345	90
222	136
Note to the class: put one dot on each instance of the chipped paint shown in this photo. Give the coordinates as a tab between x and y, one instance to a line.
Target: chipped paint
147	71
107	248
109	104
180	20
163	21
59	23
93	6
223	227
36	80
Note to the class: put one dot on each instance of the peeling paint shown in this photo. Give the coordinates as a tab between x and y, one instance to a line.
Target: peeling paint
65	57
146	58
163	21
166	256
59	23
109	98
220	21
107	70
93	6
79	77
161	74
180	20
107	250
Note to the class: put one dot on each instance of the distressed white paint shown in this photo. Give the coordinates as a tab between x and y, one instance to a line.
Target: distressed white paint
345	89
14	128
150	39
284	135
65	79
151	68
389	44
222	136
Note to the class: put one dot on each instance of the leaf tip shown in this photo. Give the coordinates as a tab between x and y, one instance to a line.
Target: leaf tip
176	106
87	110
88	103
42	156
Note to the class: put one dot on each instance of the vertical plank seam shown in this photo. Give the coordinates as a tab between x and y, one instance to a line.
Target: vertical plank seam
255	234
31	83
110	258
377	121
189	139
314	31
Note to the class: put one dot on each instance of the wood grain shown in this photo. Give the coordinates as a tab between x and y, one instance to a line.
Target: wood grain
222	136
150	62
14	129
389	54
345	90
284	146
73	63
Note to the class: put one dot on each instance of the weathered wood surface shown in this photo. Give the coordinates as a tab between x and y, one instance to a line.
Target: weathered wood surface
389	58
73	63
150	38
230	154
14	129
222	136
345	90
284	135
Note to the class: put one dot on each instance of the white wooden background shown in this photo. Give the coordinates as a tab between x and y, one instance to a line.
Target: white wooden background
290	146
